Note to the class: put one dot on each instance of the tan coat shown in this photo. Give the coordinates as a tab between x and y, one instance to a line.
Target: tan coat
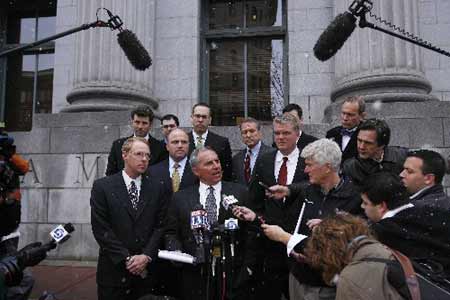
366	280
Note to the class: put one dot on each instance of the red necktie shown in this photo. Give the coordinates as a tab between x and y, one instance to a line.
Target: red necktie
247	169
282	175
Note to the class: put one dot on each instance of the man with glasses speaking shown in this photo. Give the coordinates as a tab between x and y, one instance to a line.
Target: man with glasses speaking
127	212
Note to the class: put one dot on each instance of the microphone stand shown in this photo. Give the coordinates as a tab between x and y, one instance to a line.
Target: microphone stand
114	23
360	8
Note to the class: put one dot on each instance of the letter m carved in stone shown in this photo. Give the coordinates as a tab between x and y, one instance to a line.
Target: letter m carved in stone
86	173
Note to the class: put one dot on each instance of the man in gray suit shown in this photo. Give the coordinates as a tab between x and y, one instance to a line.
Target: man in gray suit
244	161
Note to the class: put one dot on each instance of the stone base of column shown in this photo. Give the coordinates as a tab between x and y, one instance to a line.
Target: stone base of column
107	99
385	88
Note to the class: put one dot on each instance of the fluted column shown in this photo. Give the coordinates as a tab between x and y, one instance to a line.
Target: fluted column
103	77
377	65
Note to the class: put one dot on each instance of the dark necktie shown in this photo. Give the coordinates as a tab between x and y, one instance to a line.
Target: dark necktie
282	175
247	169
211	207
347	132
133	194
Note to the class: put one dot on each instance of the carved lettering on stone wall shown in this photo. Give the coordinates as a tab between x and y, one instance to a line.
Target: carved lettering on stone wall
32	172
88	173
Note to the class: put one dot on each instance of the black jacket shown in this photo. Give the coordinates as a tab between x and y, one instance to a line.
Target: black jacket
158	153
161	173
179	236
262	254
122	231
421	233
344	197
238	163
221	146
433	196
359	169
351	150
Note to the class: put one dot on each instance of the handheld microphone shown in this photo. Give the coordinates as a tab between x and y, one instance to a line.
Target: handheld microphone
229	202
334	36
34	253
199	223
231	225
131	46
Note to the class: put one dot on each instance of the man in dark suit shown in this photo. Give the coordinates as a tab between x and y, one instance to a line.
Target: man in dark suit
374	152
422	233
345	135
422	176
201	136
304	139
282	167
127	212
175	172
244	161
141	121
179	236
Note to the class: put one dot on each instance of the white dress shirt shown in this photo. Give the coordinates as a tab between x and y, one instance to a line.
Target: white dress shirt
182	165
253	155
346	139
195	136
291	164
128	181
203	191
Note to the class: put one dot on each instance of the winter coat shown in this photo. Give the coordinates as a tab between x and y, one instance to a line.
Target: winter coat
366	280
433	196
359	169
421	233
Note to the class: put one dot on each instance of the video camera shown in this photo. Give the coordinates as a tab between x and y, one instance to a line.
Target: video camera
11	267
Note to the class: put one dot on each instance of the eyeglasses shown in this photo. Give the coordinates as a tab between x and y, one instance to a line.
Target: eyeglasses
167	126
141	155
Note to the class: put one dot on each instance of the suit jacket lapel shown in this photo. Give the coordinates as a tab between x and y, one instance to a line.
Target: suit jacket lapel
194	198
187	175
145	195
191	142
240	157
121	192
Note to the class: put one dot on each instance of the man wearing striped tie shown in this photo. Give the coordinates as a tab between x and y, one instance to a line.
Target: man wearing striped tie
127	213
208	195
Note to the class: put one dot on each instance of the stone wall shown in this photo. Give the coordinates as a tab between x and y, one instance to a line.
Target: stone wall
310	81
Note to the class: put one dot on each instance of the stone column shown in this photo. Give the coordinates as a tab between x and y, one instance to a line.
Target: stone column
103	77
377	65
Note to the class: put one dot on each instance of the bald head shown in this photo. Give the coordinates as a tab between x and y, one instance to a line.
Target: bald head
177	144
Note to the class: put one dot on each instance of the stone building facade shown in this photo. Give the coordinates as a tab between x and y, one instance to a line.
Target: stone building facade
94	85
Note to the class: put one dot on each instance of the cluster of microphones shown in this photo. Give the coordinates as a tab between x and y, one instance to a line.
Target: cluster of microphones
207	236
11	267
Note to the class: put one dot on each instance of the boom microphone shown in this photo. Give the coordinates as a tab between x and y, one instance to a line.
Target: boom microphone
133	48
334	36
134	51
